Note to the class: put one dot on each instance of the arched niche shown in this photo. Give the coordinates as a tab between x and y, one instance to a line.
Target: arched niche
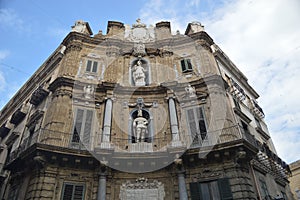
148	137
139	72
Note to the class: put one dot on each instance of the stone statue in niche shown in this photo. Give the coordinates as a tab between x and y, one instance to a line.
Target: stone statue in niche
139	74
88	91
190	91
140	127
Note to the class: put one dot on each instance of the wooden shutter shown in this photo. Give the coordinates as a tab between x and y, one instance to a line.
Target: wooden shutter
78	192
193	126
195	191
224	188
87	127
73	192
183	66
68	192
89	66
189	65
95	65
77	126
201	121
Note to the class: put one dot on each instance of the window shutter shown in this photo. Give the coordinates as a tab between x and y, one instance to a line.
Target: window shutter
95	65
189	64
195	191
224	188
78	192
89	66
87	127
202	125
78	126
73	192
192	126
68	192
183	67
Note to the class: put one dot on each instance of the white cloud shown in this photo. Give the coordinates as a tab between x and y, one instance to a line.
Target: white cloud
2	82
9	18
262	38
4	54
57	32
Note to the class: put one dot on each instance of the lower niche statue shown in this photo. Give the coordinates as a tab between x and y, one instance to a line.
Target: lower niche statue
138	74
140	127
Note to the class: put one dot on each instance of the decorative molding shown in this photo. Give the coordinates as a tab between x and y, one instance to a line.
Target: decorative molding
142	189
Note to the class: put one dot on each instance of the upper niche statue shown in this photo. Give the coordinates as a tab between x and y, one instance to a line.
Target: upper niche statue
139	74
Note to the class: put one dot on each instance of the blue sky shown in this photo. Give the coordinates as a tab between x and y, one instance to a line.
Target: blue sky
260	36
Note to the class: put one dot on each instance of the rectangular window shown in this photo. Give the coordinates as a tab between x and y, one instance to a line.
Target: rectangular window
82	126
211	190
73	191
186	65
197	125
91	66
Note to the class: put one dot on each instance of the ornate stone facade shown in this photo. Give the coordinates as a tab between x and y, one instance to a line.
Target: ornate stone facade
138	113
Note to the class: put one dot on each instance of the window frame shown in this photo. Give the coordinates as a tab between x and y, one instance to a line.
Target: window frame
73	190
223	188
86	139
90	69
186	65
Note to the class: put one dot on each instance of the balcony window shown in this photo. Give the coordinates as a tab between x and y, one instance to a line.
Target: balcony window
196	125
82	127
186	65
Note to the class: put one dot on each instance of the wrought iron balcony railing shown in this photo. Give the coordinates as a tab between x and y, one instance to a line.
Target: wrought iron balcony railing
157	144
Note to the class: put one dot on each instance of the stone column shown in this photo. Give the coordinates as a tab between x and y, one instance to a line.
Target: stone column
107	121
174	123
182	187
105	143
101	193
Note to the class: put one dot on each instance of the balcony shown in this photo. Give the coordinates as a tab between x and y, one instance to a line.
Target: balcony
221	138
256	109
61	140
236	90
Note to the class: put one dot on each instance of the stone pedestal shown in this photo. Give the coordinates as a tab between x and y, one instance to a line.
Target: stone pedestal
140	147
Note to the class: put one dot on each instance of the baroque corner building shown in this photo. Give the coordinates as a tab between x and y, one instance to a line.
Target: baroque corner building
138	113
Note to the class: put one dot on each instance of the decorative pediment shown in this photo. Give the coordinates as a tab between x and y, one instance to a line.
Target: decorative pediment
140	33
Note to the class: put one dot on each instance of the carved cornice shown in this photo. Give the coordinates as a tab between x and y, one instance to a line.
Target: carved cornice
73	46
61	81
202	36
